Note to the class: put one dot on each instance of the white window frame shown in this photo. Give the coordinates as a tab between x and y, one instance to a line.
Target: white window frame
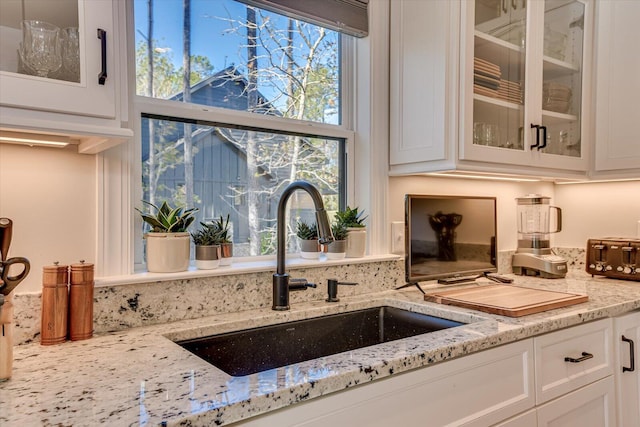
364	128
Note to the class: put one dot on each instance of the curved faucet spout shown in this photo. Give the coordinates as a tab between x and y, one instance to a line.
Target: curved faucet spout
280	278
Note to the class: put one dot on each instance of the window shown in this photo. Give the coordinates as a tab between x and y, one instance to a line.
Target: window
235	103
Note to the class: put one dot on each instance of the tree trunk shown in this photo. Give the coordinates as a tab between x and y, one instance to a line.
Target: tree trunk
152	156
293	105
186	97
253	183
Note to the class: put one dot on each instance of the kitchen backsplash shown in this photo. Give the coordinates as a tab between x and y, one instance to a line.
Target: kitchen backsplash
118	307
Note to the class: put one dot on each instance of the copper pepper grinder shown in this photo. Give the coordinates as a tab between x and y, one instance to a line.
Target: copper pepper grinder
55	304
81	301
6	337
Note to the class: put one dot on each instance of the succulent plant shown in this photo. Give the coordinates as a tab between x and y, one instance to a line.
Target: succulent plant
306	231
339	231
168	219
350	217
206	235
222	228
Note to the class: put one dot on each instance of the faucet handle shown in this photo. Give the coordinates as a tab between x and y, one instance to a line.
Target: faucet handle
332	289
300	284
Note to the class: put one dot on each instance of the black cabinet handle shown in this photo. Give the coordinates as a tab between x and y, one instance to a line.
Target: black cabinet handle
631	355
585	356
544	138
102	35
537	128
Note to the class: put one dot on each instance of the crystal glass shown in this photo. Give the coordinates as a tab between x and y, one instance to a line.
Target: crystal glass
71	53
41	47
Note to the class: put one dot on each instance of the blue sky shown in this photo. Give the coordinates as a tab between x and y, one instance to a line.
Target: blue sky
168	21
212	22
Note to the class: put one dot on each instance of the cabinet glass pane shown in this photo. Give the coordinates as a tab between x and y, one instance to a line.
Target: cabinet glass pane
562	76
498	74
40	38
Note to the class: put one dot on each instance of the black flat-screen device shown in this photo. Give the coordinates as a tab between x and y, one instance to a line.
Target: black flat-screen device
449	237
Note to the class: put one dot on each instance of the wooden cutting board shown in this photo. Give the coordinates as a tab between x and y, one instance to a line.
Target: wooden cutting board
506	300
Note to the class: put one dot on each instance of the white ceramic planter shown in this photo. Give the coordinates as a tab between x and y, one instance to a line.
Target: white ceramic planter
356	242
167	252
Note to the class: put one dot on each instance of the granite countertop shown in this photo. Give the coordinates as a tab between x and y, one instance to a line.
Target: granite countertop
140	377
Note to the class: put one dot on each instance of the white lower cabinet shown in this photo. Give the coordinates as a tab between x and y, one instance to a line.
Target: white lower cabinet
527	419
572	358
560	379
476	390
627	373
589	406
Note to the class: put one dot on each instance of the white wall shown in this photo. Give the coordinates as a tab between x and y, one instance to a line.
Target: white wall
505	192
597	210
50	195
588	210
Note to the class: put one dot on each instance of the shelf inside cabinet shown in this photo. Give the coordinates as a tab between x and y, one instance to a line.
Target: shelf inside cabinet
496	102
495	50
554	68
551	117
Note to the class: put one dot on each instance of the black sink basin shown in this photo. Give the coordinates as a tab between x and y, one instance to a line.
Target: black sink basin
259	349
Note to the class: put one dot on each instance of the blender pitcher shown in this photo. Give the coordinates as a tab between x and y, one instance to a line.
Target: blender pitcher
534	218
534	256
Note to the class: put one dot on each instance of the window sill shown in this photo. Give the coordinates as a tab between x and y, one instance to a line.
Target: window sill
239	266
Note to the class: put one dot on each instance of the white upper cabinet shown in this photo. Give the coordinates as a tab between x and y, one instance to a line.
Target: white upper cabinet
491	86
617	144
59	68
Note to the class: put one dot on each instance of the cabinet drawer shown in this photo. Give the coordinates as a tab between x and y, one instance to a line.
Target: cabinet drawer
571	358
590	406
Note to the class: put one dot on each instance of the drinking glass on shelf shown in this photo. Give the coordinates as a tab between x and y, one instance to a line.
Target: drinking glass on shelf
479	133
492	135
41	47
71	53
23	66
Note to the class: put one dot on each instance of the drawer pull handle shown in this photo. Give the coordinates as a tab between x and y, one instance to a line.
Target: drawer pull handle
631	355
585	356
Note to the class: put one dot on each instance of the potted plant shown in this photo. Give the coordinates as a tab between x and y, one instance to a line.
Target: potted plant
353	221
224	239
208	252
308	235
168	239
338	248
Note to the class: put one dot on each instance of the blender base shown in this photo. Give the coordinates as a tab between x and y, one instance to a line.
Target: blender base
544	266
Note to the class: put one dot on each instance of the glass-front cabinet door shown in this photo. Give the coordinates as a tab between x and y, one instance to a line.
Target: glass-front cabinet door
562	81
57	56
522	98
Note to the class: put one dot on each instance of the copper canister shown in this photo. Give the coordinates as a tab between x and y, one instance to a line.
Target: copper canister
55	304
81	302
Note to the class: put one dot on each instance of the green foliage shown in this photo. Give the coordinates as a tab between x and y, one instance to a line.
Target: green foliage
350	217
167	219
167	80
206	235
222	229
339	231
306	231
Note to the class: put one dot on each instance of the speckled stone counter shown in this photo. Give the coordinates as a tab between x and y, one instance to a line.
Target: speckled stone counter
140	377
